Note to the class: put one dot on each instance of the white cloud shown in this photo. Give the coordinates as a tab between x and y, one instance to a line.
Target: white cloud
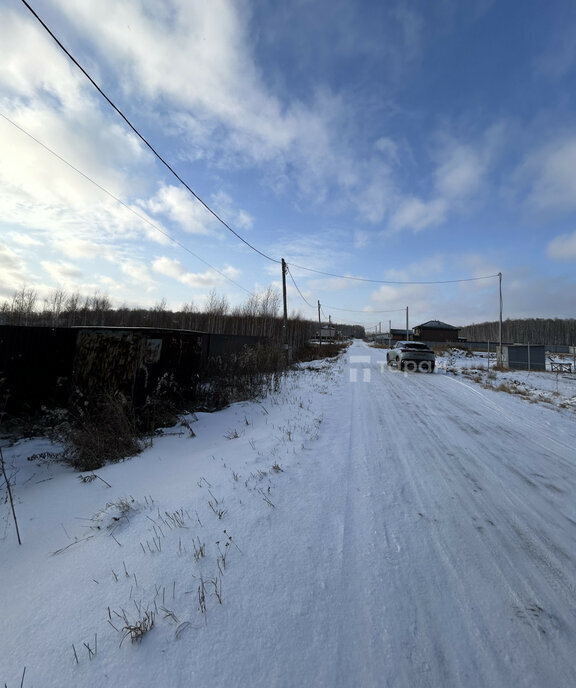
12	267
137	272
224	205
79	248
458	180
416	215
388	147
65	274
460	174
361	239
330	284
176	270
562	247
202	70
376	196
179	205
411	25
549	173
24	240
201	60
558	58
20	75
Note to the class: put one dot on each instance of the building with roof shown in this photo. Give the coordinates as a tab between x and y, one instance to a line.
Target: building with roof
436	331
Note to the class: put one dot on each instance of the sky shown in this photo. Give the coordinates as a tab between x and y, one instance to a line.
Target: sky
384	149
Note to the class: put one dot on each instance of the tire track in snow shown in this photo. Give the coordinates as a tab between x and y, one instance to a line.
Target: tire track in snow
518	528
452	587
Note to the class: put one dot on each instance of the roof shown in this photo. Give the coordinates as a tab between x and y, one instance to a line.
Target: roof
436	325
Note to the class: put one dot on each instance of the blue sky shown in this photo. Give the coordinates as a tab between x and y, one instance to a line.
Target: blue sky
398	142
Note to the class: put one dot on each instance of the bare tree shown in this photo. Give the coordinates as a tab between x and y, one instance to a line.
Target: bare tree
54	305
99	304
217	307
270	303
188	313
159	315
72	308
23	306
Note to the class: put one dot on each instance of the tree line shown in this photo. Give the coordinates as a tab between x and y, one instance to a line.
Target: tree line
258	316
556	331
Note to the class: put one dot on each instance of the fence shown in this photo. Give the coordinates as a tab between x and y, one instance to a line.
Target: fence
41	366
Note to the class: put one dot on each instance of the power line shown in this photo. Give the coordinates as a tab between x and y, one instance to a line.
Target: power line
121	202
348	310
142	138
364	279
206	206
298	290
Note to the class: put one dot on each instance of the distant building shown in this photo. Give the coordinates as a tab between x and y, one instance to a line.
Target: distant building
327	334
436	331
396	335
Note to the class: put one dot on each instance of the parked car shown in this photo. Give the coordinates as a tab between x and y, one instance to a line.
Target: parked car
411	356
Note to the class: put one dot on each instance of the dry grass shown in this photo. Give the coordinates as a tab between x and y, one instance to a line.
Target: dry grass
314	352
101	429
138	630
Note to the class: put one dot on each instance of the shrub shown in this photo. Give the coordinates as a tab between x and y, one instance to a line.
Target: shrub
313	352
100	429
250	374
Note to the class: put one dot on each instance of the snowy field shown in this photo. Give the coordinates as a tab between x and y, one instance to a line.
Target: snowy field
361	527
555	389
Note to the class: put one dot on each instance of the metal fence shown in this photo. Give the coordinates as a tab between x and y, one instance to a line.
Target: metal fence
42	366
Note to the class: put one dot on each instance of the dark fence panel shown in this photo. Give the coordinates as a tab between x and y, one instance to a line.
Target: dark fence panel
225	344
45	366
36	365
139	362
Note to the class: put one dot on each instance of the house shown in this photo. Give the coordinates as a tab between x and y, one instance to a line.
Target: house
400	335
436	331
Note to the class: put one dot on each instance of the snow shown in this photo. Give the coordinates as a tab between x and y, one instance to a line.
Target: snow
361	527
554	388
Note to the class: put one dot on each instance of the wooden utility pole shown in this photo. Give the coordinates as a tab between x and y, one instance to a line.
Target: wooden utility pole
319	326
499	357
285	324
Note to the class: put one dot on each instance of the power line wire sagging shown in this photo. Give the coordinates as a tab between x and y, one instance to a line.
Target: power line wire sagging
376	281
143	218
143	138
297	288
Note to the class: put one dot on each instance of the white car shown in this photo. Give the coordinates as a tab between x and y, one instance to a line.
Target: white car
411	356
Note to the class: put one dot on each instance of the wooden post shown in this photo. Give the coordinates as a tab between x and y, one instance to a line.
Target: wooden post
285	325
499	357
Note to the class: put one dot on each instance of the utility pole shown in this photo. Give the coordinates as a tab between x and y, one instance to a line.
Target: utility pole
407	328
499	359
285	324
319	326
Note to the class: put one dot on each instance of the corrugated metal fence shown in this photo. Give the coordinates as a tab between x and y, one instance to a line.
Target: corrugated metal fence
43	366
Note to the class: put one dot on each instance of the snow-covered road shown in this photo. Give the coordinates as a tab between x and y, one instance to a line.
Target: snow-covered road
458	531
384	529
